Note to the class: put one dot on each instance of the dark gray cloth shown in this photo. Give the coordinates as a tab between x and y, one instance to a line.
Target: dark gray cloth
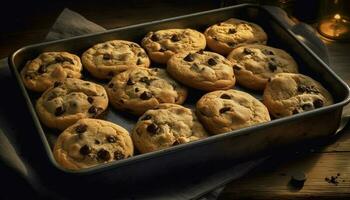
22	154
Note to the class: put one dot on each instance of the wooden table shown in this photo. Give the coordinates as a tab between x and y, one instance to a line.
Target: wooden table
269	181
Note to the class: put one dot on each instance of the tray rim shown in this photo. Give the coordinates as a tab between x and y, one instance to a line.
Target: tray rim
164	152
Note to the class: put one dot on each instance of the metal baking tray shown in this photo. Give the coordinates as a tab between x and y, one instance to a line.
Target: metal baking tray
217	149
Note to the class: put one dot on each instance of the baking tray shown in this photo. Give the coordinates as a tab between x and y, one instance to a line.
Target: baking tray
217	149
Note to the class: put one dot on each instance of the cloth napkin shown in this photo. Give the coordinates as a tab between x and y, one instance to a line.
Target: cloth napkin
21	153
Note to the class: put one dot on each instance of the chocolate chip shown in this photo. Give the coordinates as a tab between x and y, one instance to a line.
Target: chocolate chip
141	54
145	80
97	142
94	110
272	66
85	150
81	128
111	74
152	128
175	38
137	89
110	85
194	67
298	179
59	111
200	51
42	69
59	59
130	82
176	143
318	103
211	62
267	52
248	51
302	88
162	49
90	99
237	67
224	109
232	31
189	58
138	62
111	139
146	95
155	37
107	56
118	155
225	96
103	154
295	111
231	44
57	83
307	107
146	117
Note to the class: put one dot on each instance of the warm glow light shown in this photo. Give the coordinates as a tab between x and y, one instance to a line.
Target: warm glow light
337	16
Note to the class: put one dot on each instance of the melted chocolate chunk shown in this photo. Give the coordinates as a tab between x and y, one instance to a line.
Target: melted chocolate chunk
155	37
111	139
194	67
130	82
248	51
189	58
90	99
267	52
152	128
107	56
272	66
232	31
137	89
97	141
42	69
225	96
103	154
146	95
307	89
145	80
224	109
59	59
118	155
94	110
146	117
175	38
212	62
318	103
81	128
57	83
162	49
85	150
138	62
59	111
176	143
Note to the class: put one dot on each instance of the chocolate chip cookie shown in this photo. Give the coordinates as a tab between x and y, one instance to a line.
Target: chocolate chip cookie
41	73
227	110
162	44
165	126
104	60
255	64
139	89
225	36
202	70
288	94
66	102
91	142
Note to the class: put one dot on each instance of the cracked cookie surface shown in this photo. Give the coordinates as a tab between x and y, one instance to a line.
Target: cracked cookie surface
288	94
162	44
41	73
139	89
91	142
227	110
255	64
104	60
165	126
202	70
225	36
66	102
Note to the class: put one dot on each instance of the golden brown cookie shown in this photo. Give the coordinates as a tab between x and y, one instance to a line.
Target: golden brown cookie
202	70
227	110
41	73
90	142
254	64
225	36
288	94
139	89
162	44
66	102
104	60
165	126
